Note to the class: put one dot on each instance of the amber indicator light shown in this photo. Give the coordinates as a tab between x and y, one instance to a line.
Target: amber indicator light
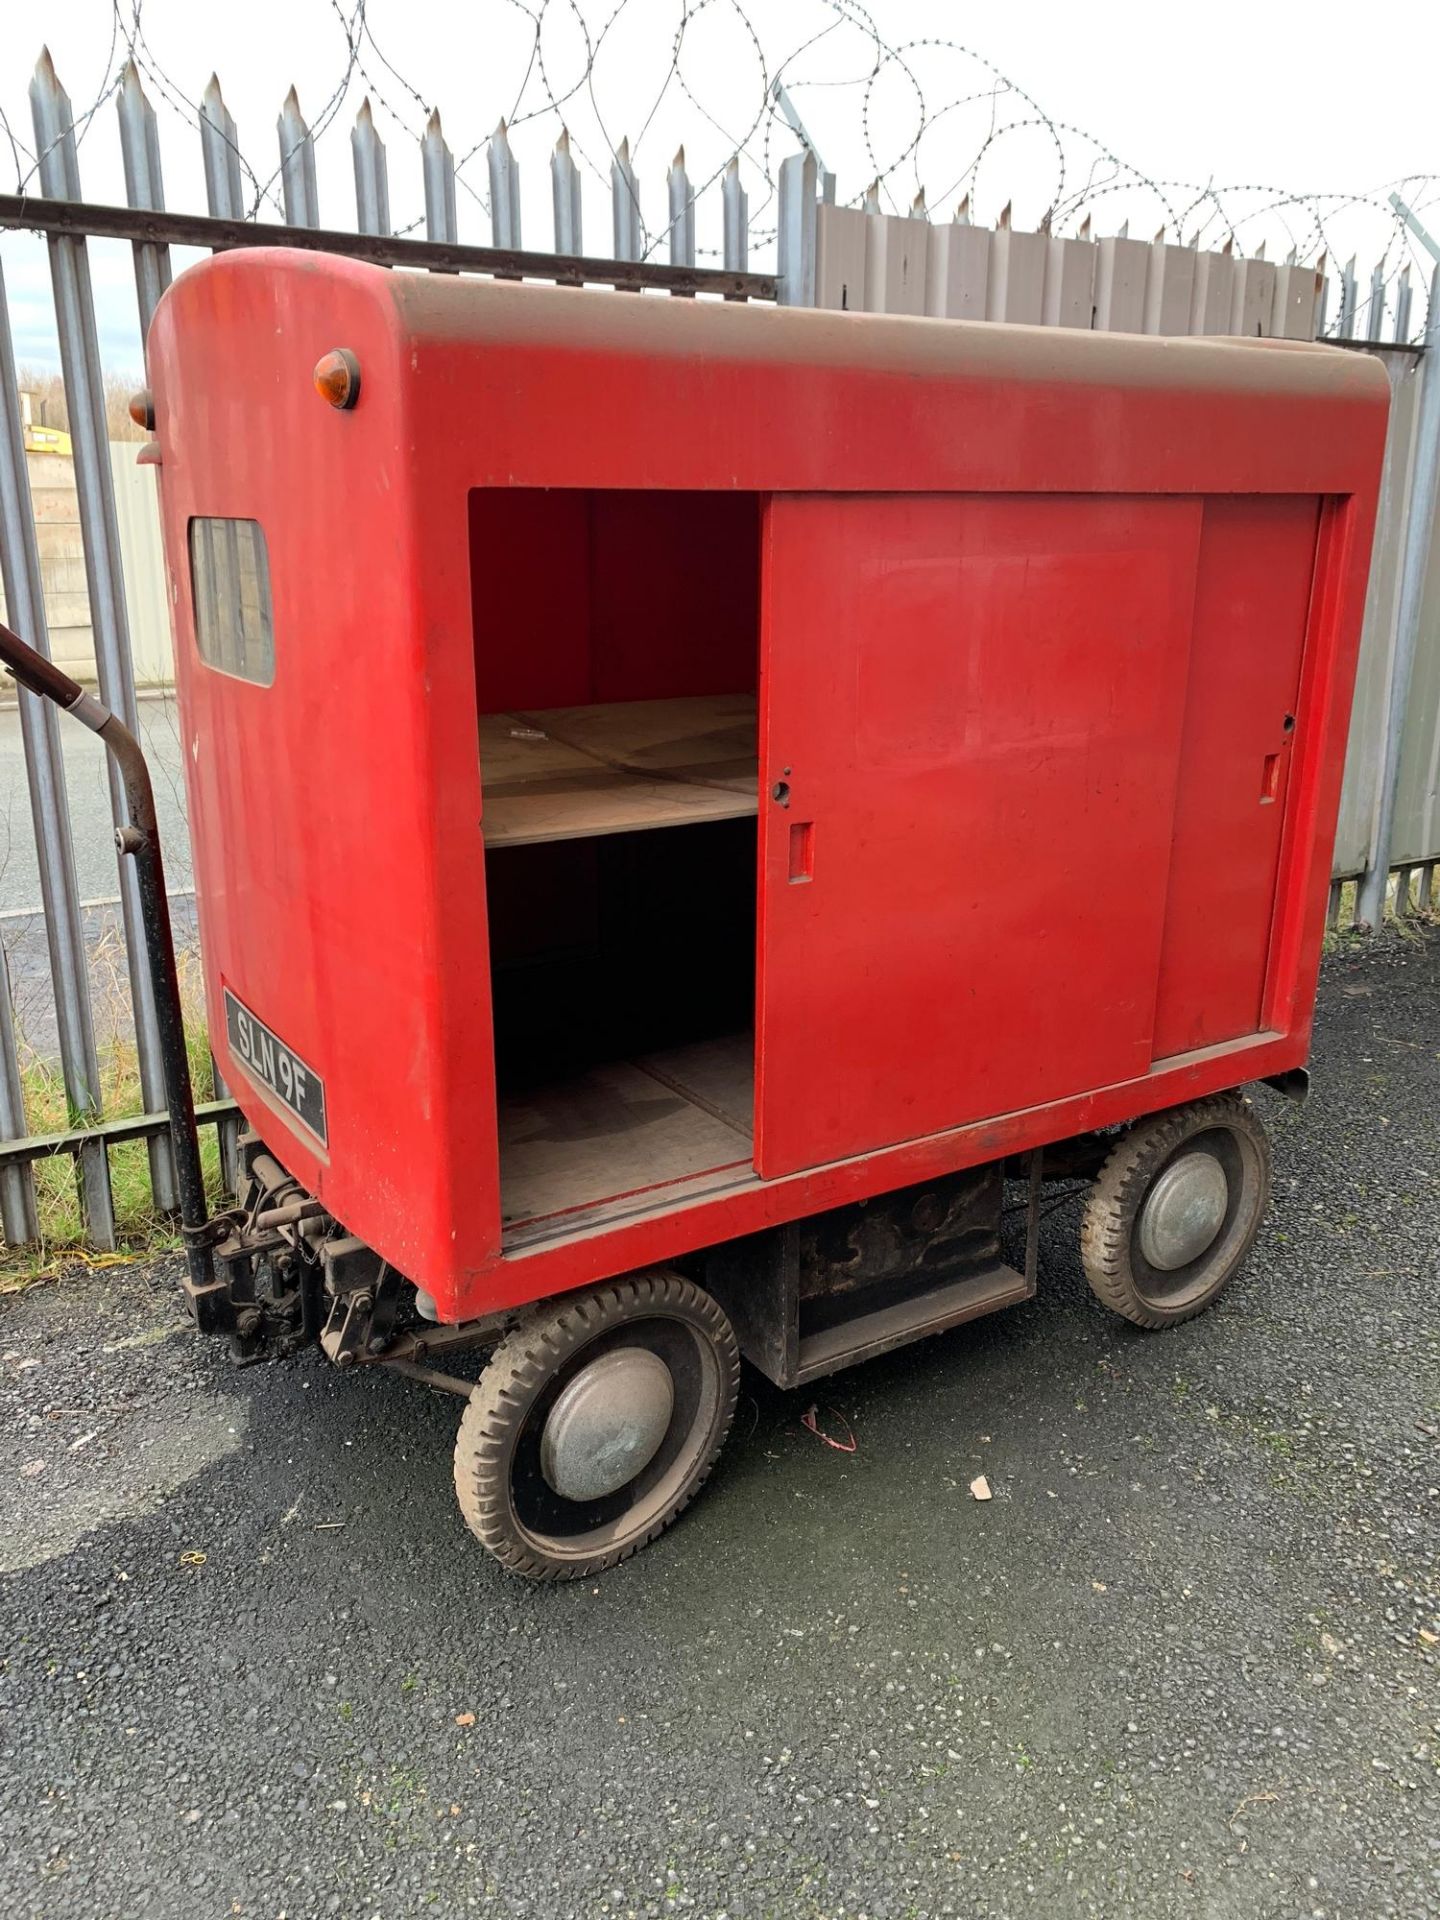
337	378
142	409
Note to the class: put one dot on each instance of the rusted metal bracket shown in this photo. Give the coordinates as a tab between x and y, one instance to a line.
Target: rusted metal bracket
430	1377
1295	1085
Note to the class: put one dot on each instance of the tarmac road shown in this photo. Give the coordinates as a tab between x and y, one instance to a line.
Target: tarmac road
89	796
22	921
1186	1661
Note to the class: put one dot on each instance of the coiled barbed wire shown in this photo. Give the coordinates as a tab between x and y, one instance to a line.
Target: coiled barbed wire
921	110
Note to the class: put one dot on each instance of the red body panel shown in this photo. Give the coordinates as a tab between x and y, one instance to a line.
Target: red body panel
1020	711
978	703
1257	566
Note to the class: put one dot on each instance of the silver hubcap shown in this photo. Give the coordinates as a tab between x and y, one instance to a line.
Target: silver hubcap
1183	1211
607	1424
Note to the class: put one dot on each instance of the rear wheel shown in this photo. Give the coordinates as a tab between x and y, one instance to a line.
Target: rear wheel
595	1423
1176	1209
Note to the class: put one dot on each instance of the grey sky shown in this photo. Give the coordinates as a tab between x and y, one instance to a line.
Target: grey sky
1309	100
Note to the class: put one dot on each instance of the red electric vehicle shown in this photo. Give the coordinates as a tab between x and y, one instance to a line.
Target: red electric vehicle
688	799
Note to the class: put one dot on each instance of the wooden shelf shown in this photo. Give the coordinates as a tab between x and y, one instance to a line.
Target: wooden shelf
572	772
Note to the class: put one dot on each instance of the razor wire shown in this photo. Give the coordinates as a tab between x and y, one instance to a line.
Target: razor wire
927	124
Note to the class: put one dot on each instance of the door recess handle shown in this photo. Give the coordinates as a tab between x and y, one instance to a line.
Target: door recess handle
802	852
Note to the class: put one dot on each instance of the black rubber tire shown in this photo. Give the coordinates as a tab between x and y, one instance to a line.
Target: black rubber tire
526	1364
1114	1267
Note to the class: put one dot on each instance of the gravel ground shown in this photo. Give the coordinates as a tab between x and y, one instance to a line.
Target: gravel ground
1184	1663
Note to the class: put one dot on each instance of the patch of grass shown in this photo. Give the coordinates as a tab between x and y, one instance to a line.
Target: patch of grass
1405	918
141	1227
399	1800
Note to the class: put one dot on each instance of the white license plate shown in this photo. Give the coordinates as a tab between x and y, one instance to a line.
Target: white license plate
276	1067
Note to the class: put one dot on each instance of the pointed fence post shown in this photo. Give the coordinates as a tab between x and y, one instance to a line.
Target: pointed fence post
144	187
297	165
1420	509
625	203
439	168
735	205
50	811
17	1183
220	150
1375	319
825	178
1402	306
1345	326
504	190
682	213
225	198
85	403
799	179
372	183
565	196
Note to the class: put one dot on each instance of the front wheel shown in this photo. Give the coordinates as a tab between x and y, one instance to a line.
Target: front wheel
1176	1209
596	1421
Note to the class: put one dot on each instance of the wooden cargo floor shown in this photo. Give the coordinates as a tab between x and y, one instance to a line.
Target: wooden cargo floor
626	1126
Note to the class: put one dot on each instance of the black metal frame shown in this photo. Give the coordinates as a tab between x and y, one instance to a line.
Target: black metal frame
132	1126
90	219
854	1281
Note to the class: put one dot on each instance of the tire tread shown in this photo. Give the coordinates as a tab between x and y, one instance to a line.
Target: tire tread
1119	1190
518	1369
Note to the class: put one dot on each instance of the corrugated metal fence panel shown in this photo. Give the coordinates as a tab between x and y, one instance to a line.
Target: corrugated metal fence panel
1297	303
1417	813
895	254
1122	270
1170	288
1360	798
1214	292
137	513
869	262
1070	284
959	272
1018	262
840	259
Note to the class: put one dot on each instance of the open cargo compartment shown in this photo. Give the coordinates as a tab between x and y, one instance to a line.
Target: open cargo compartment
616	669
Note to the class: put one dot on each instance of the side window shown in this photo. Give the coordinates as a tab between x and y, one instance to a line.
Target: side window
230	583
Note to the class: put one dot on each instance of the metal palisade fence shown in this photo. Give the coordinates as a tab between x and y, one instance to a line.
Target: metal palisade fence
855	258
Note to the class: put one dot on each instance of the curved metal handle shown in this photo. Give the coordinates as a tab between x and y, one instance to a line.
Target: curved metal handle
142	841
37	673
